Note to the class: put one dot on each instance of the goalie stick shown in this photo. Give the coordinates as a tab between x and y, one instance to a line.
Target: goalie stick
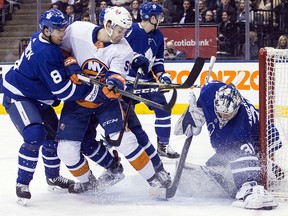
170	192
166	107
166	193
188	83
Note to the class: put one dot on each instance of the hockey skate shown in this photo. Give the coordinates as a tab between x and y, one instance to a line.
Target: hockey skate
82	187
154	181
159	184
164	178
59	183
253	196
165	150
23	194
160	179
113	174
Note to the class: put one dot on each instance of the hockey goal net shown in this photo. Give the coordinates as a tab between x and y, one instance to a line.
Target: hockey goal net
273	107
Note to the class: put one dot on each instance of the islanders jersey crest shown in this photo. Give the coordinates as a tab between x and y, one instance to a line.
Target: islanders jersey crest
95	69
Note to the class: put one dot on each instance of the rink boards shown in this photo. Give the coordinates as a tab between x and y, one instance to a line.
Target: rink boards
222	70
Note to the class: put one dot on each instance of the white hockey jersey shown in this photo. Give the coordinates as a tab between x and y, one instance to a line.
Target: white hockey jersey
92	55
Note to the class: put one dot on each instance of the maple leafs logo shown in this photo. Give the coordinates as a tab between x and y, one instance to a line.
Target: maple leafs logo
49	15
149	56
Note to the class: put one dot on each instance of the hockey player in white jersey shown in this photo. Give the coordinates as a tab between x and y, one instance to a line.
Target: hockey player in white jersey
233	125
105	55
135	125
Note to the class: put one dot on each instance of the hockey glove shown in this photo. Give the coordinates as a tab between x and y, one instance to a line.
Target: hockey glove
140	61
165	78
72	69
191	121
114	82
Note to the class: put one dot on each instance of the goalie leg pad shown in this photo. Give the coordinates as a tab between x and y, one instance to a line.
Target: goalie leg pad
207	182
253	196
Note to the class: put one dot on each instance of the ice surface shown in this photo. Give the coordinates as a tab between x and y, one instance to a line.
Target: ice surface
128	198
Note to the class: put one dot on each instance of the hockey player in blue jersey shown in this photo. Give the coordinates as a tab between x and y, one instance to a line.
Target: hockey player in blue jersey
31	87
146	39
233	125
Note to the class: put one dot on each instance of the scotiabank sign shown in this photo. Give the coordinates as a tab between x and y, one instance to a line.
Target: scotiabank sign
184	40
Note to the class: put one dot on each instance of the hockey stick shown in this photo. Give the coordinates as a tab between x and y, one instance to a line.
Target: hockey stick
166	107
211	65
239	77
170	192
188	83
166	193
118	141
198	65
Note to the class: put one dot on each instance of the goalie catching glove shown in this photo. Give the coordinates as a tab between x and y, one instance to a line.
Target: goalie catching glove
191	121
72	69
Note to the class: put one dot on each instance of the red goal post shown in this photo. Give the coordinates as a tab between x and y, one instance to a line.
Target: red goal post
273	106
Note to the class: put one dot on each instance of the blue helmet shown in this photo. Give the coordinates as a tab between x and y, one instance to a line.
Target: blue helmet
102	14
148	9
53	19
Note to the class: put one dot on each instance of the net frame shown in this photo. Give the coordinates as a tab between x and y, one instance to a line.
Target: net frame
273	64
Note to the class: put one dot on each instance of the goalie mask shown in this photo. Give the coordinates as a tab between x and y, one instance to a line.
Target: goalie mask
226	103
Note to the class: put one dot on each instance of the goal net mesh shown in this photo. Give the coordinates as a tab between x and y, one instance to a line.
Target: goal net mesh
273	106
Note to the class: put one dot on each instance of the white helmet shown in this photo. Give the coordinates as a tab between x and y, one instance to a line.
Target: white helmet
226	103
118	16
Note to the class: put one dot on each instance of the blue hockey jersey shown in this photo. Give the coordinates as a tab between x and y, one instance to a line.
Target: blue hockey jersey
150	45
40	75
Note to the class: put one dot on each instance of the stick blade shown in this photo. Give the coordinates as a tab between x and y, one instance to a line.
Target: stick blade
172	101
167	193
196	70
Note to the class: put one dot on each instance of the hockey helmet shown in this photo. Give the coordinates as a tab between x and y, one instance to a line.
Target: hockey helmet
118	16
226	103
53	19
149	9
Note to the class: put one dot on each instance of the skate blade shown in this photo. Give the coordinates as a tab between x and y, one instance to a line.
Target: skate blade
240	204
22	201
104	183
57	189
